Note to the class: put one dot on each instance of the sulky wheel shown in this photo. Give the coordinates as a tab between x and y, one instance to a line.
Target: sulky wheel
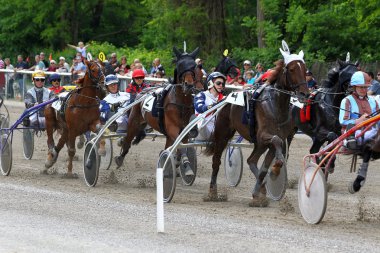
233	165
6	154
313	204
91	162
192	155
276	185
169	174
28	143
106	161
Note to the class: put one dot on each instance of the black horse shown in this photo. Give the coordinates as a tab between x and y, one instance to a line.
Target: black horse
228	67
319	118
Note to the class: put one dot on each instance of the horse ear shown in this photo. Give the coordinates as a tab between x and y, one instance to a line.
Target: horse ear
357	63
301	54
340	62
195	53
176	52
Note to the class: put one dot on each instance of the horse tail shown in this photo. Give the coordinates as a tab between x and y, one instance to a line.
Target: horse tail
211	145
140	136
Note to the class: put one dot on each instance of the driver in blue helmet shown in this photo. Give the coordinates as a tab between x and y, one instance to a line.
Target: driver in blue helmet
355	109
111	104
216	83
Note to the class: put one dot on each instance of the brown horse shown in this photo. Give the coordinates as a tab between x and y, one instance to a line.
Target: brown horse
177	107
272	126
81	114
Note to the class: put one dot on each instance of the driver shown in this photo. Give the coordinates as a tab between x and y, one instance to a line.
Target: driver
110	105
216	82
137	84
37	95
355	109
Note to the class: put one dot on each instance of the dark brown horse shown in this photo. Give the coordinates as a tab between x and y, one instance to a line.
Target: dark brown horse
177	106
272	127
81	114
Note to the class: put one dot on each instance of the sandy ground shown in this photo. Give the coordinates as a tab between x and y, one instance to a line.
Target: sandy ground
46	213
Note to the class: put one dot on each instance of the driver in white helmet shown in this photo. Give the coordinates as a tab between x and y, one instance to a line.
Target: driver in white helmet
216	82
111	104
355	109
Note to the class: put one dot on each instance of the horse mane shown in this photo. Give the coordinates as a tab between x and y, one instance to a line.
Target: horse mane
276	71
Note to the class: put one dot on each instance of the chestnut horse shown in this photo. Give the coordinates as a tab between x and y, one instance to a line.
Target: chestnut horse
81	114
272	127
177	107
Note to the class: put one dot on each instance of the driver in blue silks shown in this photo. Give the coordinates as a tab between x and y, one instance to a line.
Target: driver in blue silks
111	104
216	82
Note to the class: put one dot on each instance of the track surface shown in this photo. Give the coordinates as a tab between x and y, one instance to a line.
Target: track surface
46	213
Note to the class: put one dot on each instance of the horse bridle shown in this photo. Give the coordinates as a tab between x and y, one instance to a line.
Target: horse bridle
293	86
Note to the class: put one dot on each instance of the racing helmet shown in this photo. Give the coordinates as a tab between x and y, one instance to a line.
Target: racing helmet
360	78
138	73
110	79
54	77
38	73
212	76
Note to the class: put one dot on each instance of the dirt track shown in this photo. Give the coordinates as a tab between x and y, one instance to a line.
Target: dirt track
45	213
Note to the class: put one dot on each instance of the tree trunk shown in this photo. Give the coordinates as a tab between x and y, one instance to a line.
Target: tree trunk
216	28
260	23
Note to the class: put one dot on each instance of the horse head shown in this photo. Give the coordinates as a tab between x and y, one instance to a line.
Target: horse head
186	72
346	70
294	71
227	66
94	76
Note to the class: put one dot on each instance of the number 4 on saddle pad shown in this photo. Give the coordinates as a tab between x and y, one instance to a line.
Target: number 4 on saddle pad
236	98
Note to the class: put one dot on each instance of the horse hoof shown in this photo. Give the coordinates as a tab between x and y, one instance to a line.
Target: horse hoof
276	169
118	161
70	175
260	201
49	163
44	172
102	151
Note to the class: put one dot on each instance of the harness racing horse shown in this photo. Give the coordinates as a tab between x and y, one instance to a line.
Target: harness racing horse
81	114
319	117
228	67
272	126
177	107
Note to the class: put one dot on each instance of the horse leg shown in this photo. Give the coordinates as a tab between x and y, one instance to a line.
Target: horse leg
71	152
134	128
259	192
50	126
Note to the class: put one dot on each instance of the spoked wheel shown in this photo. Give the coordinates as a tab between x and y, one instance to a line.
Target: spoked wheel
106	161
4	115
276	185
233	165
191	154
91	163
312	204
6	154
28	143
169	172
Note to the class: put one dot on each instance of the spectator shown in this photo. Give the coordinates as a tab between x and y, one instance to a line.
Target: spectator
249	76
247	66
140	66
78	67
2	64
55	81
21	64
374	89
37	60
9	77
259	71
311	83
157	67
199	63
53	66
63	67
43	62
81	49
37	95
123	67
240	81
378	75
113	61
